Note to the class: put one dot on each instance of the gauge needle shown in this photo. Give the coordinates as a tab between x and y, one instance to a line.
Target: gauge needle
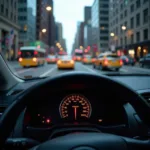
75	111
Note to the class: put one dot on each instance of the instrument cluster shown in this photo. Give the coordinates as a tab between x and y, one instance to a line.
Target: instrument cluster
73	109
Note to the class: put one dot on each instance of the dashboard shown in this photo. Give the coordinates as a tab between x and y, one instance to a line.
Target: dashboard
74	108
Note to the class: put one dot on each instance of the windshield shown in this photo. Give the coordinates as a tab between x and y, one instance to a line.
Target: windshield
34	35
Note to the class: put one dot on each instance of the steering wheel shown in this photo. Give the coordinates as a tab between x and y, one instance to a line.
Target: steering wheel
80	141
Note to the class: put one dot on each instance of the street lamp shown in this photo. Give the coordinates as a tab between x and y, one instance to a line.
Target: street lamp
57	44
48	8
112	34
44	30
124	27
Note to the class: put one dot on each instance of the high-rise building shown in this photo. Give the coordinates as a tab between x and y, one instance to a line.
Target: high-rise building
130	27
9	28
45	20
26	20
87	14
87	27
100	24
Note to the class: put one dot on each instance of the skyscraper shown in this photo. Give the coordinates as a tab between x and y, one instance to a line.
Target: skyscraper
100	24
26	20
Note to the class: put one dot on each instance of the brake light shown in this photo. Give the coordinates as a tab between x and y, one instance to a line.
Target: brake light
34	59
47	59
134	60
72	62
59	62
121	62
19	53
127	59
20	59
105	62
84	59
35	52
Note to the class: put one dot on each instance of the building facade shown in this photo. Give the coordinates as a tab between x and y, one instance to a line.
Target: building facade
100	25
9	28
87	14
26	20
130	24
45	20
87	35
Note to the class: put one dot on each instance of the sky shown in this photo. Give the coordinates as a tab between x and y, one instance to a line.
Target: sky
69	12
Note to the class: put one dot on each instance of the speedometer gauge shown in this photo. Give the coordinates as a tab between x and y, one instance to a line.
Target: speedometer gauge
75	107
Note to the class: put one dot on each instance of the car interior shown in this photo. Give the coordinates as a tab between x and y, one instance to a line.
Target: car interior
74	111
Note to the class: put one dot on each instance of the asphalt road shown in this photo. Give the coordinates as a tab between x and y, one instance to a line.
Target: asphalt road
51	70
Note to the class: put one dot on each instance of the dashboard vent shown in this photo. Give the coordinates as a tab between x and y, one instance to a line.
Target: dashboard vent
14	92
146	96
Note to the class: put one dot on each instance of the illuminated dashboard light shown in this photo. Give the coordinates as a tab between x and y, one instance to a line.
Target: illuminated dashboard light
43	121
39	115
48	121
100	120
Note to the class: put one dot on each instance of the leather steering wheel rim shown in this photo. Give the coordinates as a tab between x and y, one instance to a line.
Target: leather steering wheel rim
14	110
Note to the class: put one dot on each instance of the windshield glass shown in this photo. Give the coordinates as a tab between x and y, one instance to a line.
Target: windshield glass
34	35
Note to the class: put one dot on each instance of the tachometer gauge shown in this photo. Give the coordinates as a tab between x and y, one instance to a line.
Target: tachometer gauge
75	107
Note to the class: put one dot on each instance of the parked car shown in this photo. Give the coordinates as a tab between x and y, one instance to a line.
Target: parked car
127	60
145	61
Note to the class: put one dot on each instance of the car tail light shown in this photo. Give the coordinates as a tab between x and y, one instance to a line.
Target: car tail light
20	59
134	60
35	52
127	59
59	61
72	62
19	53
84	59
121	62
34	59
105	62
47	59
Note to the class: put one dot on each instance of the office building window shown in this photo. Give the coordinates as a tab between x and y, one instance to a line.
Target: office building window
144	1
125	40
116	30
104	5
132	8
116	11
126	24
138	3
104	12
104	38
11	16
145	34
116	20
121	42
132	22
145	15
138	19
137	36
104	18
121	7
132	38
7	12
121	16
125	13
2	8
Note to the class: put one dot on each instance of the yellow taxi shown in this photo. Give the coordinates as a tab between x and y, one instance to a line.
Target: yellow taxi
65	62
87	59
108	61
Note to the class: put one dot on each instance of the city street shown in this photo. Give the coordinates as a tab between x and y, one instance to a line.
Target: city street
51	70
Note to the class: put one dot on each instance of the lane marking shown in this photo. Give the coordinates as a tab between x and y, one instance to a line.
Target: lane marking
23	71
123	70
49	71
91	70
